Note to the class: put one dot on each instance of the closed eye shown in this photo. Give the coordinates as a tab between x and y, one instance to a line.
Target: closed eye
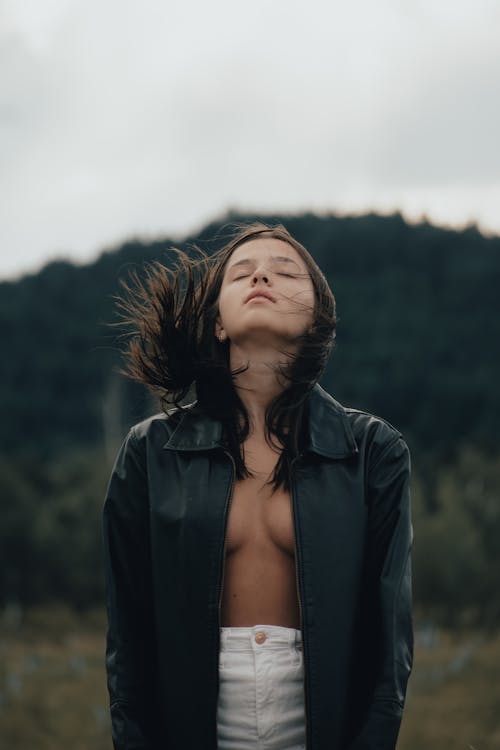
289	275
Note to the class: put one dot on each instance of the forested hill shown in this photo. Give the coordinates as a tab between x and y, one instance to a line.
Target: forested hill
417	340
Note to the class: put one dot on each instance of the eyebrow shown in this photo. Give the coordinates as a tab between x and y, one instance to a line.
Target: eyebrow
282	258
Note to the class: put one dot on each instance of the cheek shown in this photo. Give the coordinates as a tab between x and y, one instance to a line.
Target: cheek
306	300
226	302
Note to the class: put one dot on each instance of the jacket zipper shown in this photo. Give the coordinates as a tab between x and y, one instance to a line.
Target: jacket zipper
306	693
222	565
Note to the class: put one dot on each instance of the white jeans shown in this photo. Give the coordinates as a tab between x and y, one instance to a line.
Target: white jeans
261	689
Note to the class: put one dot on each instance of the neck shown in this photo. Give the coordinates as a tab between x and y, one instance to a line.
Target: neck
258	385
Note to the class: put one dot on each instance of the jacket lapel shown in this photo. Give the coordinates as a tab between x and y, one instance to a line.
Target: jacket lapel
329	432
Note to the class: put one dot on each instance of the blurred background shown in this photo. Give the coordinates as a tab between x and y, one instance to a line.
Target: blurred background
371	132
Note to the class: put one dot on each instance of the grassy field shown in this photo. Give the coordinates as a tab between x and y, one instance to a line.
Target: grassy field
53	688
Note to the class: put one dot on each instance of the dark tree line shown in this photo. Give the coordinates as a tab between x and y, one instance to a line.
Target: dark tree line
419	323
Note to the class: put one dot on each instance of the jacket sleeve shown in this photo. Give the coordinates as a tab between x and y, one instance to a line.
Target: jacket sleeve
389	543
129	639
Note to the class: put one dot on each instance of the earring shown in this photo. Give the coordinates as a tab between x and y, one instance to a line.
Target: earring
221	337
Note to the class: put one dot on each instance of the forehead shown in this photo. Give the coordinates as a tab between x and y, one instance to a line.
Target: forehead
267	248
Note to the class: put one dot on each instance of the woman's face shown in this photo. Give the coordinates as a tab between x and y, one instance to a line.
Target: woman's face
275	268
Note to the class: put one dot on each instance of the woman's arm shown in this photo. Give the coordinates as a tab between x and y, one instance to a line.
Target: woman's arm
130	655
390	539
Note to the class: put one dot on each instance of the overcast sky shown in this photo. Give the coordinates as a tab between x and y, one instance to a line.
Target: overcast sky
152	117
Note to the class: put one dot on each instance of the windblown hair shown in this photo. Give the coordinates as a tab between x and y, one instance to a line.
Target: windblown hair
171	314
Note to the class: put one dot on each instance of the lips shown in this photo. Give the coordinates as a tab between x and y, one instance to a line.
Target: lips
259	293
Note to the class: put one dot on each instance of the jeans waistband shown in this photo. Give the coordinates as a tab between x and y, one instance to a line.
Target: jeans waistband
268	636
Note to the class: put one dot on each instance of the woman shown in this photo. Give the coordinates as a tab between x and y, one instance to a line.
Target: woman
257	540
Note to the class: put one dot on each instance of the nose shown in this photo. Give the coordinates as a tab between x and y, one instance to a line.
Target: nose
260	273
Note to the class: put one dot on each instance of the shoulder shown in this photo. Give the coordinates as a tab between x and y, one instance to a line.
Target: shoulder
382	450
382	441
158	427
365	424
383	445
373	435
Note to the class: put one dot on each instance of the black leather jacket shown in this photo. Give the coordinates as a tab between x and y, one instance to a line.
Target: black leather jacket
163	525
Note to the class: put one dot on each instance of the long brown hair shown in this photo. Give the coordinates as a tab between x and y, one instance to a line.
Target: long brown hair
171	314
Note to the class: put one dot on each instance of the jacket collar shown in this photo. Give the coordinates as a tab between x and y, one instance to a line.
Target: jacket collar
329	432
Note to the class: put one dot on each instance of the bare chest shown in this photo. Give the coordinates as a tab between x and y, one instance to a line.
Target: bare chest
257	518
